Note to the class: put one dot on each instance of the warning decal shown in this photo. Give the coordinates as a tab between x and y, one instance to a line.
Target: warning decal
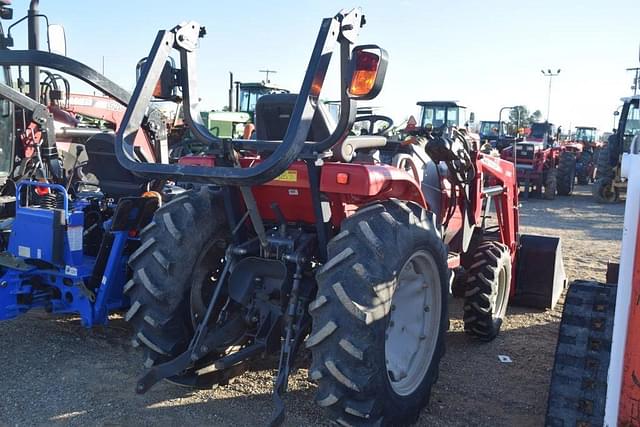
288	176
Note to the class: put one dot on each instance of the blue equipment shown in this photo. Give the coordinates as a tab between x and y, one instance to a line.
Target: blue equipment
70	256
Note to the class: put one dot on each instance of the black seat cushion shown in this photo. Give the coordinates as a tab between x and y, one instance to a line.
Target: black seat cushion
273	113
114	180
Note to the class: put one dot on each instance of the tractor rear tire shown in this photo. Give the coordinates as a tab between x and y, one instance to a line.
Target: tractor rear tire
373	365
604	191
487	290
188	231
579	380
566	173
550	184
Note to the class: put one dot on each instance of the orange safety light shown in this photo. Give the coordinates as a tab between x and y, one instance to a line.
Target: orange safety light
342	178
369	70
364	75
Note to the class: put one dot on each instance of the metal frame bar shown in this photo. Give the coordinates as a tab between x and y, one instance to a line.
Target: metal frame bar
68	66
341	29
56	187
39	114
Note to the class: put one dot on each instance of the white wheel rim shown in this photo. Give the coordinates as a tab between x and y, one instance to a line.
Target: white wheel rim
414	323
500	298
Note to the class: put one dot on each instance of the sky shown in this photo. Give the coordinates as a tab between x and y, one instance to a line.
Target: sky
485	54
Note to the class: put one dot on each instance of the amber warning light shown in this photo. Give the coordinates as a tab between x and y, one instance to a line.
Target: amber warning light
368	71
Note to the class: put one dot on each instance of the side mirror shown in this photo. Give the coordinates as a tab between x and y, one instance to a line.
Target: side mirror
57	39
369	65
5	12
166	87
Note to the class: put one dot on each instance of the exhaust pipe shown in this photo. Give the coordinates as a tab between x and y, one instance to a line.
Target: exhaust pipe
33	28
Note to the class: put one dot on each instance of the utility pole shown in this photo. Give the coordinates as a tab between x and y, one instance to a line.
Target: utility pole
267	72
551	75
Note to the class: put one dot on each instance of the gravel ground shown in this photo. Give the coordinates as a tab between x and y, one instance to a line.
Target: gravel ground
53	371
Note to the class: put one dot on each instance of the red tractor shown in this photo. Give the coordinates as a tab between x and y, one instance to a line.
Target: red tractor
542	166
348	245
585	147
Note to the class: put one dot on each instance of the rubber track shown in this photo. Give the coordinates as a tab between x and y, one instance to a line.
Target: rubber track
579	380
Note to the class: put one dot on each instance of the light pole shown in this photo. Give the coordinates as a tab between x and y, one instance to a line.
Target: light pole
636	80
551	75
267	72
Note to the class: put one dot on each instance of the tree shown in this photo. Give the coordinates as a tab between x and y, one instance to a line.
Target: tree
536	116
520	116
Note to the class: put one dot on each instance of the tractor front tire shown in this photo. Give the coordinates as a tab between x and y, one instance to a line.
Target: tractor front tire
566	174
550	184
487	290
380	316
185	234
604	191
579	381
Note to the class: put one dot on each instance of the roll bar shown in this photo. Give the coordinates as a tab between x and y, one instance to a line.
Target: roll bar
342	29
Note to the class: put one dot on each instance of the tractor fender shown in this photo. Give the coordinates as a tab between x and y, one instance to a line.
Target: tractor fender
371	182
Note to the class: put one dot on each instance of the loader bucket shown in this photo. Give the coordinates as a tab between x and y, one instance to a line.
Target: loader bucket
540	275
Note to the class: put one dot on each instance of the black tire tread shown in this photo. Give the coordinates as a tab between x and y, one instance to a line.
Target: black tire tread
583	178
489	259
579	381
161	269
598	190
603	167
550	184
347	361
566	173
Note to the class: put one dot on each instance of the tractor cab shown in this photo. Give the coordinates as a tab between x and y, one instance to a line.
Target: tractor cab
496	134
629	125
585	135
247	94
441	114
232	123
490	130
542	132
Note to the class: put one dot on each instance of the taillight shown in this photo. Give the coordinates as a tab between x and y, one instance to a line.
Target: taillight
364	76
369	69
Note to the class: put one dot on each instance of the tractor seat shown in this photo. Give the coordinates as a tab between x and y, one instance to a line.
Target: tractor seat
114	180
273	113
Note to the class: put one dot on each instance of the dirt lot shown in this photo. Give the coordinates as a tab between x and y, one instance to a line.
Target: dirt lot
53	371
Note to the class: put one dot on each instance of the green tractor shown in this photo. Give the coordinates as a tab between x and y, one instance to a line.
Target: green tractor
240	111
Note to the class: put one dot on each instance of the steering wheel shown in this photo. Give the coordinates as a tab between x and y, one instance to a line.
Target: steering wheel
373	119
